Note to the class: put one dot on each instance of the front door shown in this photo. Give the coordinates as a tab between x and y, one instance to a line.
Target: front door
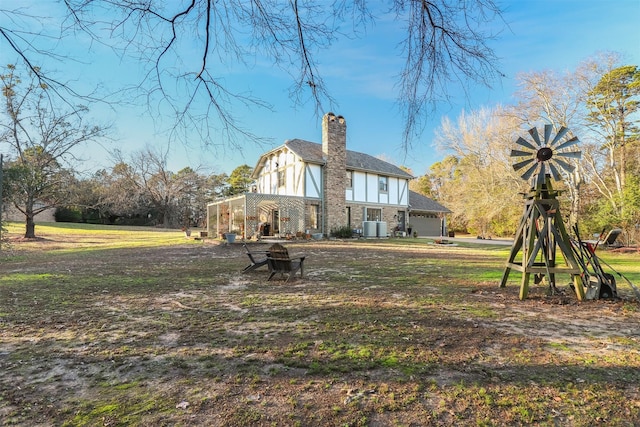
401	221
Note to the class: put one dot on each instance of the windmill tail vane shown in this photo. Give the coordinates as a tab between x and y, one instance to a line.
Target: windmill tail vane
545	155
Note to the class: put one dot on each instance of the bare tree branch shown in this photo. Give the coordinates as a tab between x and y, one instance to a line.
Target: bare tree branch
446	44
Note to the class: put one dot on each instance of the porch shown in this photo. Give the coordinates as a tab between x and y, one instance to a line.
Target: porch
253	215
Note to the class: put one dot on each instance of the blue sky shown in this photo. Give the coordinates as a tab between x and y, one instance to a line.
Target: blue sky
360	75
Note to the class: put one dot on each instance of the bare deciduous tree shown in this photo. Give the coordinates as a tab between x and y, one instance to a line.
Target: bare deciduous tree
41	139
478	183
155	193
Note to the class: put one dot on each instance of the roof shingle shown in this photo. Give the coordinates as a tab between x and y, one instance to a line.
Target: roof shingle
312	152
418	202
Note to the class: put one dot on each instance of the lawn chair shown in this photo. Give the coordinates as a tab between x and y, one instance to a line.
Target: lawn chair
257	259
611	237
608	240
281	263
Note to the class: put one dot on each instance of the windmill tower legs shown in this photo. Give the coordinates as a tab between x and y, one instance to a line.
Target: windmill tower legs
540	233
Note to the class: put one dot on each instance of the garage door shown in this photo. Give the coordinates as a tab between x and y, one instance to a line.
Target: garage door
425	225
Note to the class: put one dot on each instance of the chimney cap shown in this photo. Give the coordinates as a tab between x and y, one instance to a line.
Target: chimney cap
330	116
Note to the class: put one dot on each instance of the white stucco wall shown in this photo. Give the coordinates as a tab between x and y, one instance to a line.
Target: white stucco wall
305	180
313	181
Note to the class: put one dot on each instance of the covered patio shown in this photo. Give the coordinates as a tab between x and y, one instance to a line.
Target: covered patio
252	214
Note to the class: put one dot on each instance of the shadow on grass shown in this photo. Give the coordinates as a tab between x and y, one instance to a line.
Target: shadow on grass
399	334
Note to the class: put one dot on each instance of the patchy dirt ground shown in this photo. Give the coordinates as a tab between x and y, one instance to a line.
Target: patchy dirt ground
375	334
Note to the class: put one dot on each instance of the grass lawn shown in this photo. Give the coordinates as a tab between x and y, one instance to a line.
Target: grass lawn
115	326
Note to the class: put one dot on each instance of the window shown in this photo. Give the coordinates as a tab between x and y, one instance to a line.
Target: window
374	214
313	211
282	178
349	179
383	184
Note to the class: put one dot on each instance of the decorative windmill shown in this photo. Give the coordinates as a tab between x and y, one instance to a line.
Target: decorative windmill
541	230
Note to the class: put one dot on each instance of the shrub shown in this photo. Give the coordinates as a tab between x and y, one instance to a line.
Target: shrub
77	214
342	232
68	214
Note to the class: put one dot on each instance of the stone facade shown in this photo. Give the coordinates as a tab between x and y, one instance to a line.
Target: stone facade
389	214
334	149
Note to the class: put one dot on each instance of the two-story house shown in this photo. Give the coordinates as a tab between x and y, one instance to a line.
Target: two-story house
306	187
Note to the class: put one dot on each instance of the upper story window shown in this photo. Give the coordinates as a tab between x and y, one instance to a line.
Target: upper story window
282	178
383	183
349	179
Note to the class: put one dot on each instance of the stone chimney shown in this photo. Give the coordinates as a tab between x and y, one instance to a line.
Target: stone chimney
334	151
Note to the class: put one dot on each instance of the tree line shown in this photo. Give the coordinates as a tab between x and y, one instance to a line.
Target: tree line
598	102
142	191
39	173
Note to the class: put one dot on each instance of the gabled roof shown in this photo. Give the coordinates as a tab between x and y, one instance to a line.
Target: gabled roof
312	152
418	202
307	151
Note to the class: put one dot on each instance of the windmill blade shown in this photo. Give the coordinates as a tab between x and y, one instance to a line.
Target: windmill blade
547	133
534	134
569	143
564	165
561	133
554	172
518	153
529	172
571	154
520	165
525	143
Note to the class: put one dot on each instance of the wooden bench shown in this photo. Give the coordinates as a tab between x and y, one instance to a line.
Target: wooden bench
281	263
257	259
